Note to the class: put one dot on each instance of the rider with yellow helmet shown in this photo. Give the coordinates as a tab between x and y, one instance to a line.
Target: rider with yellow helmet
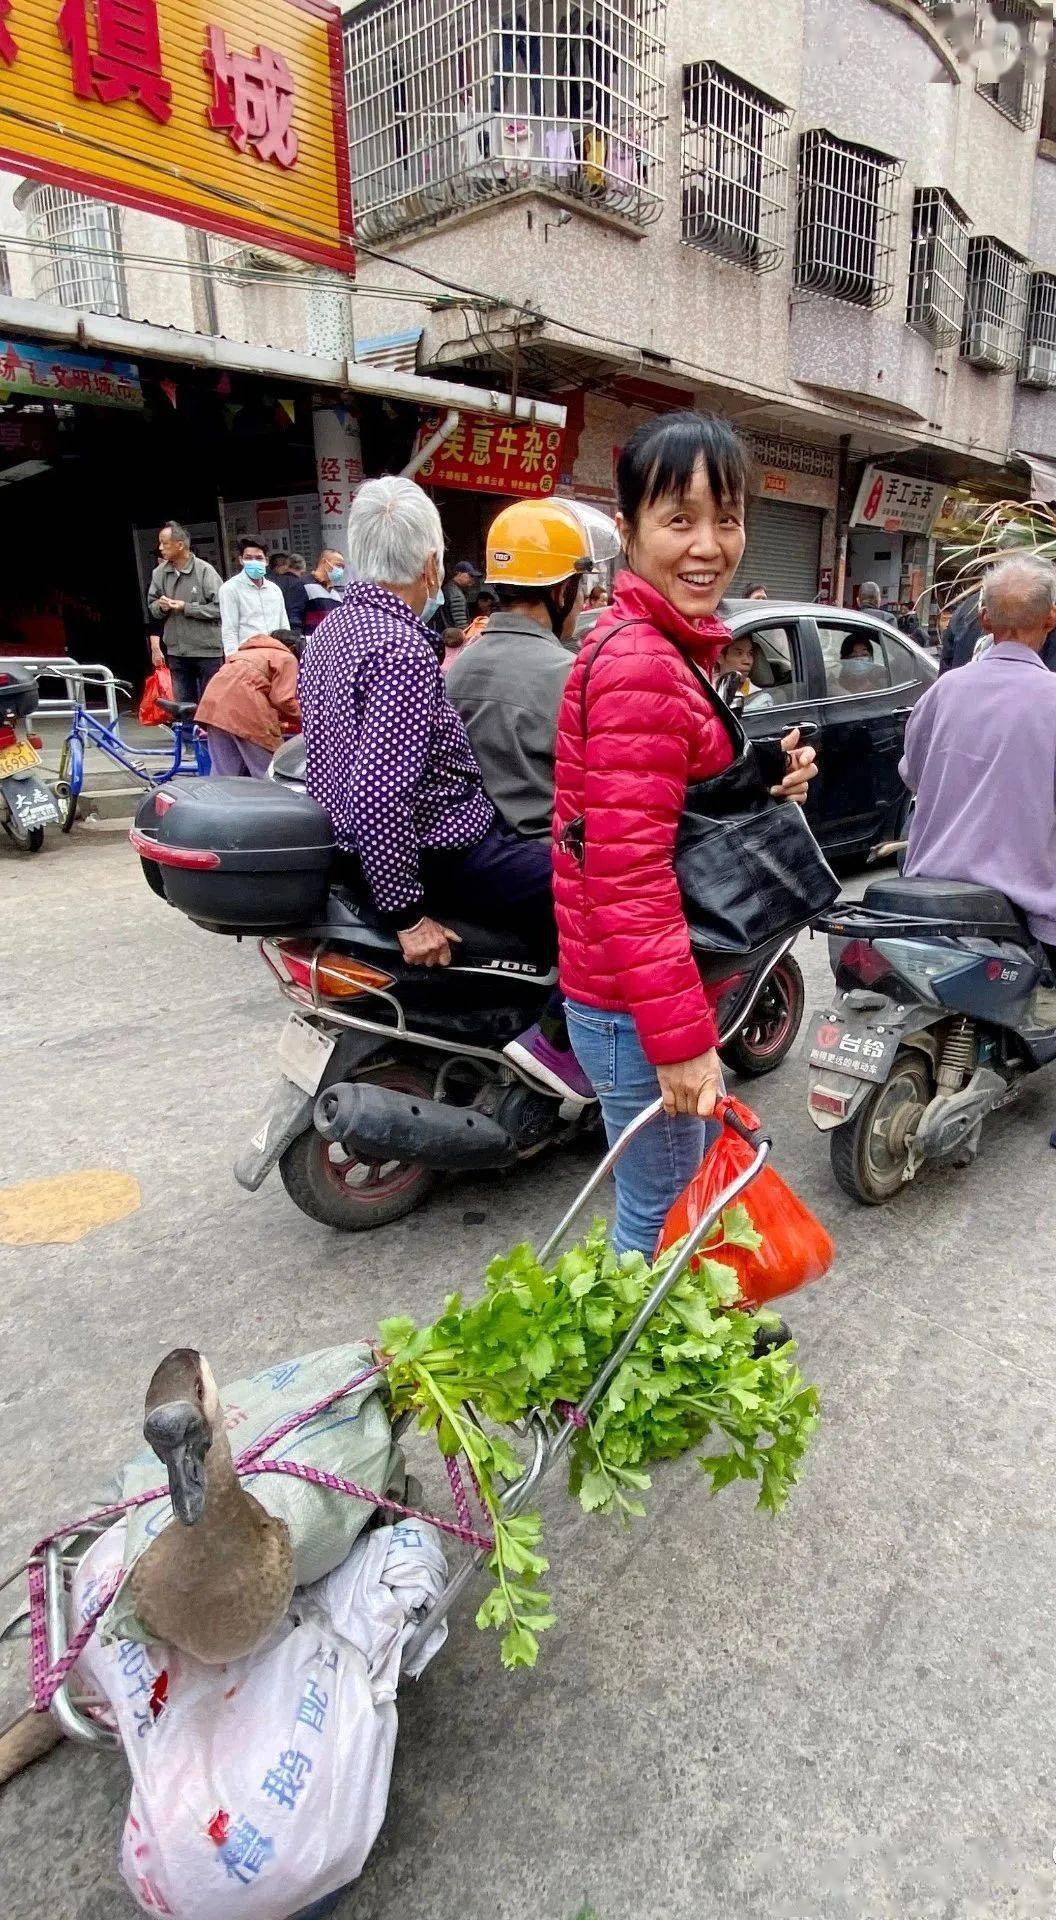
508	685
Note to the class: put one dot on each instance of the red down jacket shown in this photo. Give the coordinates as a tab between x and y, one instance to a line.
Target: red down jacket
624	942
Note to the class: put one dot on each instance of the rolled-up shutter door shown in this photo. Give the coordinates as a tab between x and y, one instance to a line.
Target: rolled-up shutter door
782	551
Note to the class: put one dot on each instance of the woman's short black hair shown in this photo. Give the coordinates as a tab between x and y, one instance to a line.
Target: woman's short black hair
662	456
856	640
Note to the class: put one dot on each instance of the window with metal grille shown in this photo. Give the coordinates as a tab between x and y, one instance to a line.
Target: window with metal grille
79	262
452	103
734	167
1010	34
995	306
845	224
938	266
1037	366
1048	105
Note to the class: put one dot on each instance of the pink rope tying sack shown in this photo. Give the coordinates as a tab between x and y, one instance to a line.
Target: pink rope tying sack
46	1678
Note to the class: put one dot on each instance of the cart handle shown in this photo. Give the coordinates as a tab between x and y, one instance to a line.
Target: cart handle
756	1137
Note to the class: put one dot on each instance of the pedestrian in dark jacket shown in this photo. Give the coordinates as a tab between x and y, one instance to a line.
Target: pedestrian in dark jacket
459	592
287	570
629	743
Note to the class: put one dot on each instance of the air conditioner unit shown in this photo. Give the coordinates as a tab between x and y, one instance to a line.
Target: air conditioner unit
987	346
1039	367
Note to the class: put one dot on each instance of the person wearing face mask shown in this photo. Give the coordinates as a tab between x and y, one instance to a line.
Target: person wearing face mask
636	727
388	757
249	602
324	588
859	669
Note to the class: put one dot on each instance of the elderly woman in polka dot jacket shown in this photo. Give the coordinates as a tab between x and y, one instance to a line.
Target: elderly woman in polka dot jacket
389	759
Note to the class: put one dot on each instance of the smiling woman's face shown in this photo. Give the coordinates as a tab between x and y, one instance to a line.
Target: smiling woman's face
687	547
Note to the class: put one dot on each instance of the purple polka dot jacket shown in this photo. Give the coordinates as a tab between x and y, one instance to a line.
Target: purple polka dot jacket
387	755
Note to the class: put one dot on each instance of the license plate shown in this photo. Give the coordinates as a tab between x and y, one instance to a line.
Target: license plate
859	1049
32	803
17	758
304	1052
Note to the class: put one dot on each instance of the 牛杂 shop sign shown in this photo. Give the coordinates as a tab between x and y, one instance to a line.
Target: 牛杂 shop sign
212	113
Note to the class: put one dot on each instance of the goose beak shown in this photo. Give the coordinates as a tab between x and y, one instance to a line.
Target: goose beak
180	1436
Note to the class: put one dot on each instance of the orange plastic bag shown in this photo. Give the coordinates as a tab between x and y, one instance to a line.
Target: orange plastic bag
796	1247
157	686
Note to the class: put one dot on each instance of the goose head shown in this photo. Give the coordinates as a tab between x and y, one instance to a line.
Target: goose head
180	1412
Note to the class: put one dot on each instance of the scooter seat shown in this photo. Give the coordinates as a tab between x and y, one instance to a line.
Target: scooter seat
477	945
955	900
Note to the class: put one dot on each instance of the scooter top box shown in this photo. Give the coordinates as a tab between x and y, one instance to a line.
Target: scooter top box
236	856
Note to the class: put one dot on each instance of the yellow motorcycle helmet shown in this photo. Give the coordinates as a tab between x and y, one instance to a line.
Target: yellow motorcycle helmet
538	543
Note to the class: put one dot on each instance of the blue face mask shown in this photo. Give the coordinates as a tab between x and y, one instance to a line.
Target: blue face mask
337	576
434	602
254	569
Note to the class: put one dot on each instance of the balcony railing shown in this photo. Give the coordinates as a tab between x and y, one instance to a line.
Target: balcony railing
1037	367
996	305
734	167
453	103
78	260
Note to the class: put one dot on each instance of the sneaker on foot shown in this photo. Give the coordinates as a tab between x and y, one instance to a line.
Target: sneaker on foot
555	1068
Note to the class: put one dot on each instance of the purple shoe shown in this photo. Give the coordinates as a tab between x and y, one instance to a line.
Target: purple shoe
555	1068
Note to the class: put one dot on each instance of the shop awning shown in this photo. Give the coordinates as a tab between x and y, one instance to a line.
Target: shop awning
137	340
1042	476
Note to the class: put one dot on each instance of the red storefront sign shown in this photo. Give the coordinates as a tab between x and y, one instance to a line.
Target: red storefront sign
495	456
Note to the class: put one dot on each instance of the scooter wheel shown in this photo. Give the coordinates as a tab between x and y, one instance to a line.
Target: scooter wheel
772	1025
353	1195
870	1153
26	839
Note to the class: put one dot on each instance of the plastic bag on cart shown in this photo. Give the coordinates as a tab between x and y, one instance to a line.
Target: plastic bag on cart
796	1247
157	686
352	1439
259	1787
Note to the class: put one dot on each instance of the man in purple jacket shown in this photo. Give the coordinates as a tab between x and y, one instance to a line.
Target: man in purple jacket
389	758
981	754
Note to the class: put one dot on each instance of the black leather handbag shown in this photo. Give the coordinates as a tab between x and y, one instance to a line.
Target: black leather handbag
748	866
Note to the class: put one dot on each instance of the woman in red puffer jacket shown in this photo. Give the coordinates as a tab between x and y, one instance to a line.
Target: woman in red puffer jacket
635	728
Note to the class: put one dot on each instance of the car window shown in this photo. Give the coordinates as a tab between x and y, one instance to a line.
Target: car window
773	678
861	659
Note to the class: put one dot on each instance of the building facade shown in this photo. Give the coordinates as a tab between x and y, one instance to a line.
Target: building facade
835	225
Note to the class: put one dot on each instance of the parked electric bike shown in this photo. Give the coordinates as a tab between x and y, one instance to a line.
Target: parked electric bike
390	1074
27	803
943	1003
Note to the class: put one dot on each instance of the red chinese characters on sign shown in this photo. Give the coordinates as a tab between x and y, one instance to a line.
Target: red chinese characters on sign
496	456
252	99
125	61
8	49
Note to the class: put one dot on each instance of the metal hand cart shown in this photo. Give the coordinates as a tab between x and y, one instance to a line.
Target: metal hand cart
549	1434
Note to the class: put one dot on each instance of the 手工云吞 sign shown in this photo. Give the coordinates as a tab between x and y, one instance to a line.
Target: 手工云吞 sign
894	503
196	109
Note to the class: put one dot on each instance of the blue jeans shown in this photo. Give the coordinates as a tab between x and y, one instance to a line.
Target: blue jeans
663	1158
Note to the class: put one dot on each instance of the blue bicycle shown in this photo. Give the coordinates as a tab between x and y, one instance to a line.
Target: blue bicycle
188	754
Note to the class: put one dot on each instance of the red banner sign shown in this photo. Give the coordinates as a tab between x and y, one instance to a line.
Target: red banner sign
495	456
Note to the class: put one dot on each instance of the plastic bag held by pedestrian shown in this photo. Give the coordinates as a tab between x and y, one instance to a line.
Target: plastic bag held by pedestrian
258	1788
157	686
795	1247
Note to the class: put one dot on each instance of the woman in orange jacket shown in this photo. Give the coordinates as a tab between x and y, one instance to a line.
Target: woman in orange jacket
250	706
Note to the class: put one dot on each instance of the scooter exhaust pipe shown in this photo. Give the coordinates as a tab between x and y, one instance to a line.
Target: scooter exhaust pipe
378	1124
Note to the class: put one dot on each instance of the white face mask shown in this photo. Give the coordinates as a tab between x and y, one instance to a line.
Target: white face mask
432	605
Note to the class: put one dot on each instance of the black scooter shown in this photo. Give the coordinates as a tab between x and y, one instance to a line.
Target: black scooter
390	1074
943	1002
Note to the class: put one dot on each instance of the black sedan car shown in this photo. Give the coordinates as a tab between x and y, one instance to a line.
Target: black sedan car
854	678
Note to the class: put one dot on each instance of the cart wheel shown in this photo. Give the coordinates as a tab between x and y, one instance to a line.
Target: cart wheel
68	785
870	1152
340	1191
26	839
772	1025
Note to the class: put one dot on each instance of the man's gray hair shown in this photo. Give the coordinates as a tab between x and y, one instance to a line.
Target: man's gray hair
393	531
177	531
869	594
1019	593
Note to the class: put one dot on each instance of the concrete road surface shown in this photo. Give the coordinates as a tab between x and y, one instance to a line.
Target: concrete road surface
847	1711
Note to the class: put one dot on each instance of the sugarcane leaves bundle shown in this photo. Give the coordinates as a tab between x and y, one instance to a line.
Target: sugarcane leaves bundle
537	1337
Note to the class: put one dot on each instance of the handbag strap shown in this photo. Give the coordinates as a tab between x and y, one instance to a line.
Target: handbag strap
735	733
